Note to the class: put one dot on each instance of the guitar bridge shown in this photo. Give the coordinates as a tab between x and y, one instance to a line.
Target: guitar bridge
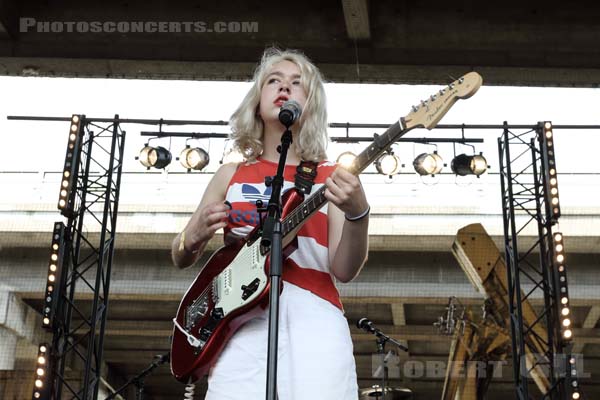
196	311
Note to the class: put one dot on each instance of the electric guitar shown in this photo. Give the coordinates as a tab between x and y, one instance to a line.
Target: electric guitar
233	285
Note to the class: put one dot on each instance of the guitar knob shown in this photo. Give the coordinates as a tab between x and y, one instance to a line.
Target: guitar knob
217	313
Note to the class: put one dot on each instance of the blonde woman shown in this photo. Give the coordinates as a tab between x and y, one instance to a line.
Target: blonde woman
315	348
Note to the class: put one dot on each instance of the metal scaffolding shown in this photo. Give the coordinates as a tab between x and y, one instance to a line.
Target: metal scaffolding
81	311
538	344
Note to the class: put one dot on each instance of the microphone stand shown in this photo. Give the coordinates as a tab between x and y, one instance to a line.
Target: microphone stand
138	380
384	376
382	339
272	237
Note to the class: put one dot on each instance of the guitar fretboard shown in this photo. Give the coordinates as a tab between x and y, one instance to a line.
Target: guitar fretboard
363	160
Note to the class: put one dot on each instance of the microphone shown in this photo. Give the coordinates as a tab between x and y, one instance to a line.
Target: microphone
289	113
366	325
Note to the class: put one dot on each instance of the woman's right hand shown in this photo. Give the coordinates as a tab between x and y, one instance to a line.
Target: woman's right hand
210	215
204	223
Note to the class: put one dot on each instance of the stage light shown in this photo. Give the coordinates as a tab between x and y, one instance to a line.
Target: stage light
53	281
69	175
154	157
194	158
575	395
346	159
550	181
469	165
559	258
428	164
42	379
388	164
558	248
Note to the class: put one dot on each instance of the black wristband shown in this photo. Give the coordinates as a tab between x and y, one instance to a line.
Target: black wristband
358	217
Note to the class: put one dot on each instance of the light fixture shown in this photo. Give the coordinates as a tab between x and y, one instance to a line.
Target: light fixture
546	139
574	383
194	158
558	255
42	380
155	157
469	165
346	159
69	175
428	164
53	280
388	164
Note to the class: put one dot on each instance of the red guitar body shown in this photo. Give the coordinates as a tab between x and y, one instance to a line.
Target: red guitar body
198	308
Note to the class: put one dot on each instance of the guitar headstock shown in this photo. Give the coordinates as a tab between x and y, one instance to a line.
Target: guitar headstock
430	111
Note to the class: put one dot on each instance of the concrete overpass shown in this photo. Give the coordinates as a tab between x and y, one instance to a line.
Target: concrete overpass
510	43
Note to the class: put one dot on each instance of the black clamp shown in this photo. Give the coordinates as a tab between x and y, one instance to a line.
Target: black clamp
306	173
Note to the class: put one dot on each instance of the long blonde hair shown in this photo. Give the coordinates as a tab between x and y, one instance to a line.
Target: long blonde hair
247	126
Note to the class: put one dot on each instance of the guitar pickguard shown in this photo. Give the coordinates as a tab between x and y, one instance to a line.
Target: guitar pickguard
241	281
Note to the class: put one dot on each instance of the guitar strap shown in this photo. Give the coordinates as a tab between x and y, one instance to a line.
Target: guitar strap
306	173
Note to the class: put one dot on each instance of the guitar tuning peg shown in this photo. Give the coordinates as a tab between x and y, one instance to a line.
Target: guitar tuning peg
442	91
461	80
451	86
414	108
433	97
424	103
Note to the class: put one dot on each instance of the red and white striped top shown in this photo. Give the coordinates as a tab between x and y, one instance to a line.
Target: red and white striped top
308	266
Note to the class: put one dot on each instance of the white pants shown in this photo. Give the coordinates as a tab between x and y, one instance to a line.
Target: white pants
315	356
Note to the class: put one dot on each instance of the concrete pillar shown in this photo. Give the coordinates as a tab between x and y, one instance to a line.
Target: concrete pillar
8	349
20	330
20	334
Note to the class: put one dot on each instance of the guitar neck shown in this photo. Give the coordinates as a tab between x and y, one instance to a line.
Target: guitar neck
379	145
425	115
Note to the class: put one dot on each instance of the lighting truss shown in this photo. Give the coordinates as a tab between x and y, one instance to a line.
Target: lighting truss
79	322
526	203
